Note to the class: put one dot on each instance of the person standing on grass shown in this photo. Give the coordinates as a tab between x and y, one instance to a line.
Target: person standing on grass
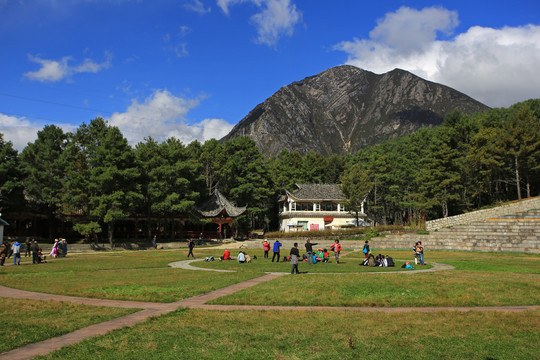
191	245
35	252
366	249
277	246
266	247
309	251
154	242
16	248
420	252
294	254
336	247
28	245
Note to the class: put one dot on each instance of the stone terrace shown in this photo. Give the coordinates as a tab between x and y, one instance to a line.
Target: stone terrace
512	227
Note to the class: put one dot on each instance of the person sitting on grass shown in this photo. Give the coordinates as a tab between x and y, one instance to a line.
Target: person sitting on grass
241	258
42	259
226	255
407	265
319	256
390	261
326	255
371	260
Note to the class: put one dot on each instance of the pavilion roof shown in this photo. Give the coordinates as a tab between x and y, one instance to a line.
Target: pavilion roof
218	204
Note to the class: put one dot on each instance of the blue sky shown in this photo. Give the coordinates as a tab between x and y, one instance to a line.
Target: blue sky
194	68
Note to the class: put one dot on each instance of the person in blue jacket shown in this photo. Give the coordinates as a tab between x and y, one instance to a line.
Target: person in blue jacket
16	247
277	246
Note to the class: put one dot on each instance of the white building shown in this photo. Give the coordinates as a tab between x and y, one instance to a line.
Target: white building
2	224
314	207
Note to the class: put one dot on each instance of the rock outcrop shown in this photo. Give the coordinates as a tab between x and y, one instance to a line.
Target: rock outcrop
344	109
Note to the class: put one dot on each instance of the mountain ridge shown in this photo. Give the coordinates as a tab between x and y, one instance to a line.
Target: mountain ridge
345	108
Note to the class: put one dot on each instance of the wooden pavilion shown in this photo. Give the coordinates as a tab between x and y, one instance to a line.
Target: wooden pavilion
220	210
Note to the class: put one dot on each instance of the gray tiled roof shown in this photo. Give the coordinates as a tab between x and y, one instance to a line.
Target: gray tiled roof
216	203
317	192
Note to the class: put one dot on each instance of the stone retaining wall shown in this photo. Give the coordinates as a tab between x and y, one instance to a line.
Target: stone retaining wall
481	215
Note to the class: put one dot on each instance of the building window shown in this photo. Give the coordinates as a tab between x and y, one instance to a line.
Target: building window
317	207
303	224
304	207
329	206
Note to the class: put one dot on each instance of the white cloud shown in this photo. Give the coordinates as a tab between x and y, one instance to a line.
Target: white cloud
56	70
20	131
163	115
276	18
495	66
196	6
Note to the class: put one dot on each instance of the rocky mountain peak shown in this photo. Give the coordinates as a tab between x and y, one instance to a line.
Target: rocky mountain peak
345	108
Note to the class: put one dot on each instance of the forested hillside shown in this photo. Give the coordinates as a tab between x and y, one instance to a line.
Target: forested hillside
466	163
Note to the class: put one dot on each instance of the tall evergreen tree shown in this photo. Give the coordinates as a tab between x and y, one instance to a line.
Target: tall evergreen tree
103	166
45	167
248	181
11	177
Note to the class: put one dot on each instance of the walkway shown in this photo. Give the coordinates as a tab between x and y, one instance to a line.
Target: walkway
149	309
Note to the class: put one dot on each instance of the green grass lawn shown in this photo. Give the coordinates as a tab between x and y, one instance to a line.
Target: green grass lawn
30	321
137	276
197	334
479	279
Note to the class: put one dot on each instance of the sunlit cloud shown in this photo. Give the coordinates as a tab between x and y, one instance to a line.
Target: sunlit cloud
495	66
20	131
276	18
163	115
57	70
196	6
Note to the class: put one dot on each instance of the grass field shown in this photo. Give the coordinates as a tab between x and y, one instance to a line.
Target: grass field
29	321
197	334
479	279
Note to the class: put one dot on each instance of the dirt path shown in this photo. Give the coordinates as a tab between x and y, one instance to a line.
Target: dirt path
150	309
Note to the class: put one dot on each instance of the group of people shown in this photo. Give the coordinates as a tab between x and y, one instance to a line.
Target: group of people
59	248
321	255
418	250
379	260
32	249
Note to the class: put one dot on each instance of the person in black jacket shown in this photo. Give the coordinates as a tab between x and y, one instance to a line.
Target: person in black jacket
191	245
35	253
309	251
294	254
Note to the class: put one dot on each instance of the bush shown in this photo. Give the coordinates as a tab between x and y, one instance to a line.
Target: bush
347	234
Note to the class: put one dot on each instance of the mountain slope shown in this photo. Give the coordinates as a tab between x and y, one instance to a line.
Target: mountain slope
345	108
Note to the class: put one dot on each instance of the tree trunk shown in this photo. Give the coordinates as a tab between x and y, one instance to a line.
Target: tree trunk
51	227
528	187
172	228
445	209
517	177
110	230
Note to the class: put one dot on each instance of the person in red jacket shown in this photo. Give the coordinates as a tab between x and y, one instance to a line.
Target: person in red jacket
266	247
226	255
336	247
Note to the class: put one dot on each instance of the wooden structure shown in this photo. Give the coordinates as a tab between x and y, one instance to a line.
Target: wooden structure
220	210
